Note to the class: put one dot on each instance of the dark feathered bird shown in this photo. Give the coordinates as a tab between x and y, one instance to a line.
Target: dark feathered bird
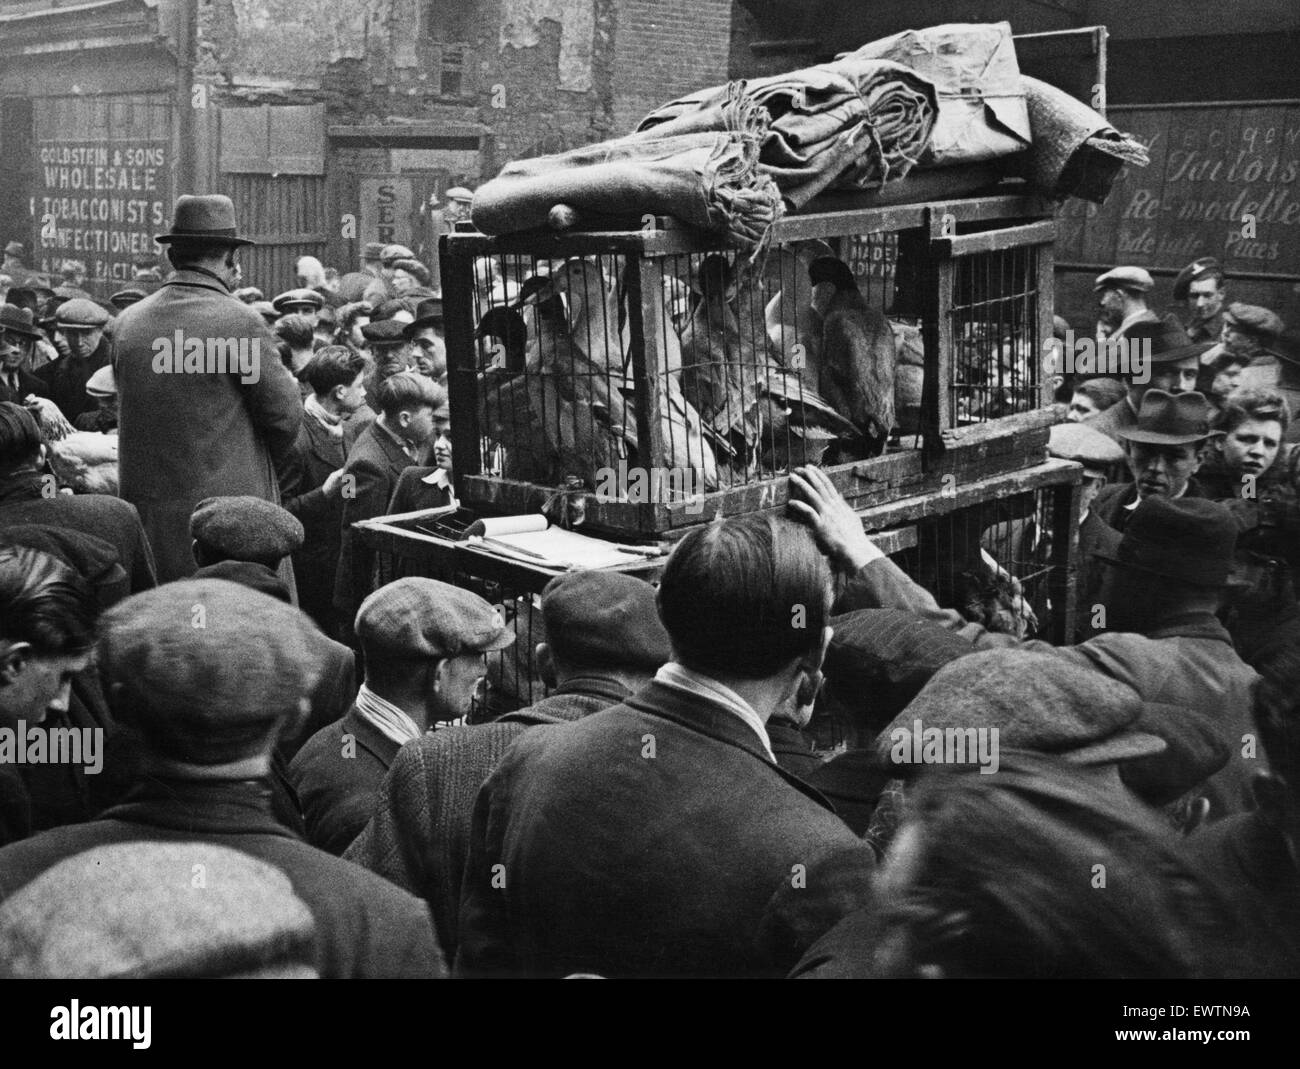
857	354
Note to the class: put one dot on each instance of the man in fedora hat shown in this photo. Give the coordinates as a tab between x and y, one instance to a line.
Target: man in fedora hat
602	642
1164	449
1201	286
1161	357
1122	297
425	332
1158	600
189	427
81	322
18	338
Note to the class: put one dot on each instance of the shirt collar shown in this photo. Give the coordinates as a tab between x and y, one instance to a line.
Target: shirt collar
681	678
386	717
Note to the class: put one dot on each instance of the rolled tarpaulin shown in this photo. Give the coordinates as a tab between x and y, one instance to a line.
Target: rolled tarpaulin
1075	151
708	179
853	125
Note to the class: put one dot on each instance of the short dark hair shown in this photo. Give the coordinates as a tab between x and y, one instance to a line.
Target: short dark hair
296	330
1247	403
20	436
407	390
334	365
745	596
45	602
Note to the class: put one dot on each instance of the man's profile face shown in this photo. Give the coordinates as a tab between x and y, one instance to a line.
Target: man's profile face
1205	295
1252	447
403	283
33	687
417	424
354	396
1179	377
431	353
1162	470
1226	380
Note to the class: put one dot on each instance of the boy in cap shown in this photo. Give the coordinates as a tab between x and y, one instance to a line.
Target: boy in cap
605	642
81	322
423	643
207	703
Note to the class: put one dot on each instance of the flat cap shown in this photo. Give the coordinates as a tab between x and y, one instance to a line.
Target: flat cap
14	248
459	193
372	250
1036	701
385	332
396	252
1252	319
596	618
81	314
1129	278
127	297
294	298
415	617
266	309
1079	442
245	528
103	383
205	669
1205	267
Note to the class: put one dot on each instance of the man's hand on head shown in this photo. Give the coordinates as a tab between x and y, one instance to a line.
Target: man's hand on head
837	528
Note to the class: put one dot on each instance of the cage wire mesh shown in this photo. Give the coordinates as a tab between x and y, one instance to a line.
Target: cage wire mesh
995	328
711	375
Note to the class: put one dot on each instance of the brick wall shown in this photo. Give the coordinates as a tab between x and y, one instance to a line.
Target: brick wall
665	48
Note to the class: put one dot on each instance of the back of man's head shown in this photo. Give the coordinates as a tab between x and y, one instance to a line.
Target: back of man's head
408	391
745	597
45	603
333	366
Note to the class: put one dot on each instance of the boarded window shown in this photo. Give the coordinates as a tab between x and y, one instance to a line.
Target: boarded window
273	140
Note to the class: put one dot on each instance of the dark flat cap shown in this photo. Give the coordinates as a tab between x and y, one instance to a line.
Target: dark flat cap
81	314
1036	701
245	528
205	669
14	248
372	250
416	617
127	297
1205	267
596	618
392	253
1252	319
385	332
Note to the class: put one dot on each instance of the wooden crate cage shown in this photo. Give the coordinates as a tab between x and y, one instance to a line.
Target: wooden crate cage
999	549
573	356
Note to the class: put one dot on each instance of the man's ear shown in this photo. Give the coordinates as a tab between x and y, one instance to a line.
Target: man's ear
13	660
438	671
545	664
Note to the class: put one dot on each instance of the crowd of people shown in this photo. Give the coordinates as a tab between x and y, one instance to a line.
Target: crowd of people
310	740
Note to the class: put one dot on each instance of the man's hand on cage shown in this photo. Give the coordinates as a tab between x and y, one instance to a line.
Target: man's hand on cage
838	529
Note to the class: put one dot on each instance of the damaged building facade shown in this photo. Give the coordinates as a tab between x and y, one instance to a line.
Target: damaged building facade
329	125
